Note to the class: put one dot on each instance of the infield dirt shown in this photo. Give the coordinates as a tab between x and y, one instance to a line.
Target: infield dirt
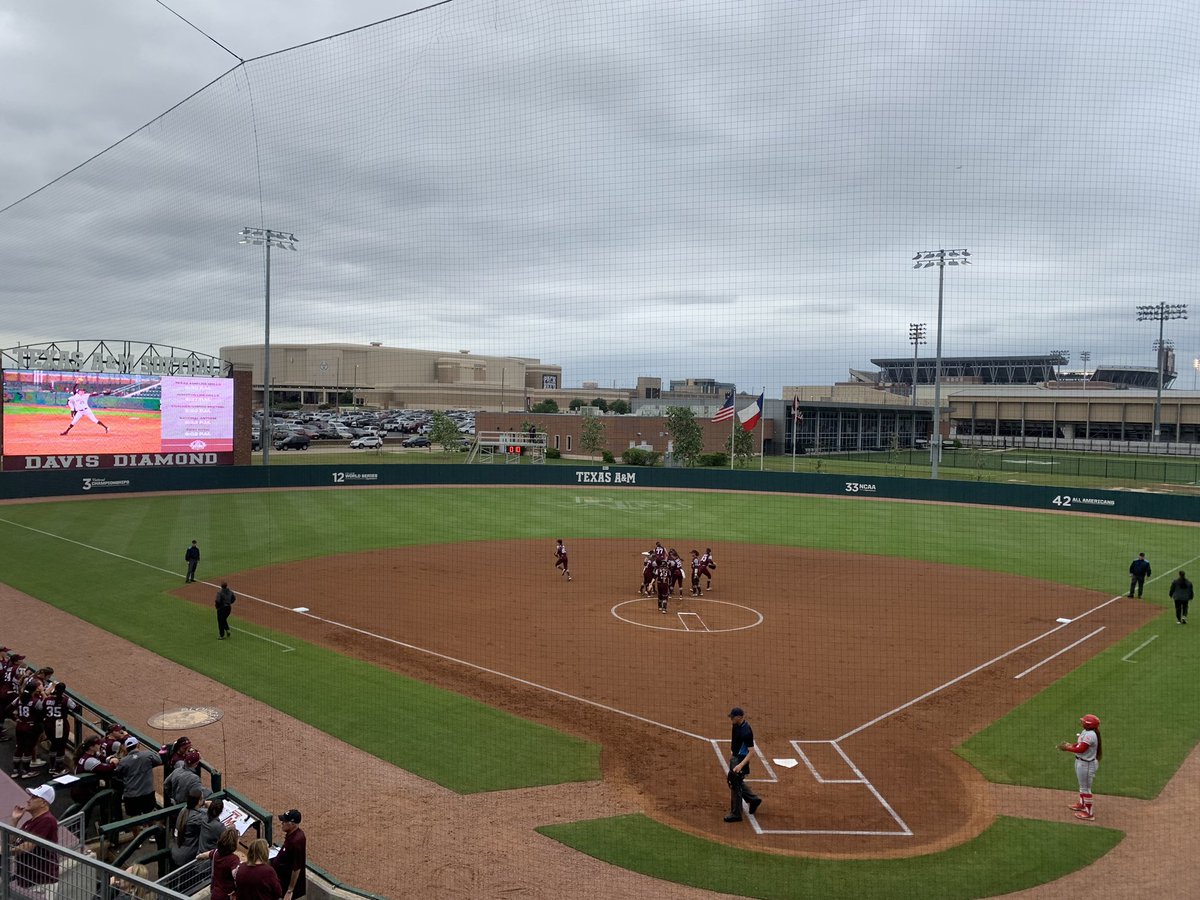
875	666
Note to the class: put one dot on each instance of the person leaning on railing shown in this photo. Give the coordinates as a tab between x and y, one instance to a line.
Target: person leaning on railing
225	860
34	864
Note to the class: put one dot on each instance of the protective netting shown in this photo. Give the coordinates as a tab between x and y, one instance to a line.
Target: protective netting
696	189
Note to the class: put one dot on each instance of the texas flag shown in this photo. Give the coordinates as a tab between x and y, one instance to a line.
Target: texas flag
751	414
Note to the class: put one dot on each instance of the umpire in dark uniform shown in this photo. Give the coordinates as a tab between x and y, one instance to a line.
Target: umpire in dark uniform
741	742
1139	571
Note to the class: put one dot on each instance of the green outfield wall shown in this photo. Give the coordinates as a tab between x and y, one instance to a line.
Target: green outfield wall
156	476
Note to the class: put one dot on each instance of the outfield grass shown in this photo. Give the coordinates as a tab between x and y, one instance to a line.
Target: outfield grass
1146	738
1011	855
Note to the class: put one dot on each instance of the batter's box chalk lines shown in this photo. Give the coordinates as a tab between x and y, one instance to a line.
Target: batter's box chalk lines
1141	646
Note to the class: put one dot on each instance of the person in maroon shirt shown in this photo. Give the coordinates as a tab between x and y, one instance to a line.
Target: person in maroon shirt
292	859
33	863
254	879
224	861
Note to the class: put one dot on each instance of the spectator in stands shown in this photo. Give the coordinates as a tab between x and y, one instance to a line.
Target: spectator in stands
136	770
213	827
34	864
292	859
187	829
132	889
254	879
182	778
224	860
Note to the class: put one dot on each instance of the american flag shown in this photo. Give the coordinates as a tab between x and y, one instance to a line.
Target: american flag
725	413
796	414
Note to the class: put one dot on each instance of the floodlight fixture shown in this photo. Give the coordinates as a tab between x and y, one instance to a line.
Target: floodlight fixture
940	258
1160	312
281	240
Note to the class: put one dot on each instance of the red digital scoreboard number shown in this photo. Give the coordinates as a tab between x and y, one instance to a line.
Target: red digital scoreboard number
514	449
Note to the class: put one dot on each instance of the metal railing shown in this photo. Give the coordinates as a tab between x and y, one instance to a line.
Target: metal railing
32	868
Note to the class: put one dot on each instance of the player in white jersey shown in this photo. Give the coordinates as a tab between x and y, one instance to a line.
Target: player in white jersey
1088	752
79	403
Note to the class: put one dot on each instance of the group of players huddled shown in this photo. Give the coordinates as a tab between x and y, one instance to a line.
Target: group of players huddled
662	572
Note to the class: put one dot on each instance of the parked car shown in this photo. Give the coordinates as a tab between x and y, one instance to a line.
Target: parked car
416	441
255	440
293	442
366	442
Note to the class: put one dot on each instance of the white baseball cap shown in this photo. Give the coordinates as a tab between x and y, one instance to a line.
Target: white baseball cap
44	791
130	742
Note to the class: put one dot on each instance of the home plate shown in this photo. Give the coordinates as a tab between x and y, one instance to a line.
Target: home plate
299	609
786	763
1062	621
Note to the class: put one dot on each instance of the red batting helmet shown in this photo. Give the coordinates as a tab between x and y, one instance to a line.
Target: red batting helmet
1089	721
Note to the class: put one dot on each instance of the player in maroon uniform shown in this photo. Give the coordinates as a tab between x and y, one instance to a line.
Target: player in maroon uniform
7	664
56	708
560	559
676	565
696	568
648	566
28	729
662	582
707	566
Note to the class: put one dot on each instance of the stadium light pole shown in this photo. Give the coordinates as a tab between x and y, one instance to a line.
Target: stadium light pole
916	336
1195	371
1084	356
1160	312
282	240
924	260
1061	358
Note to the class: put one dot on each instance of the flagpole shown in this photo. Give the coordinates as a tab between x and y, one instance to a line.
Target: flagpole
795	432
732	425
762	431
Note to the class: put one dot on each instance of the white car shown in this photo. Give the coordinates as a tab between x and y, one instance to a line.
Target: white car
366	442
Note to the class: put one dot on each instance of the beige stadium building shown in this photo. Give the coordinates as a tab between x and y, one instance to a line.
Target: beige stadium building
395	378
986	400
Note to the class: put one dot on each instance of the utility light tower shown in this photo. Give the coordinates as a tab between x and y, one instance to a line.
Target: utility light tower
924	260
916	336
283	240
1160	312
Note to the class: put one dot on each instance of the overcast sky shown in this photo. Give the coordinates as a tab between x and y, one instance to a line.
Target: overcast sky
719	189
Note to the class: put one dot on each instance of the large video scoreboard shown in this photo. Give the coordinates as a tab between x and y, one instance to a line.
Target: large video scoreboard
96	420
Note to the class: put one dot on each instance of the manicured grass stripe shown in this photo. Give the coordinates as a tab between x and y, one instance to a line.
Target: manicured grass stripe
1011	855
1146	733
479	748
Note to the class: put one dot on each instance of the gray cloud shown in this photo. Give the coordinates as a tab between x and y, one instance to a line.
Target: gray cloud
709	189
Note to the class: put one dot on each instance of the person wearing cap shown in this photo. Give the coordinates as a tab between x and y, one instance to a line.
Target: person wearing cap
292	859
1088	750
34	864
741	742
183	778
28	727
191	556
136	770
